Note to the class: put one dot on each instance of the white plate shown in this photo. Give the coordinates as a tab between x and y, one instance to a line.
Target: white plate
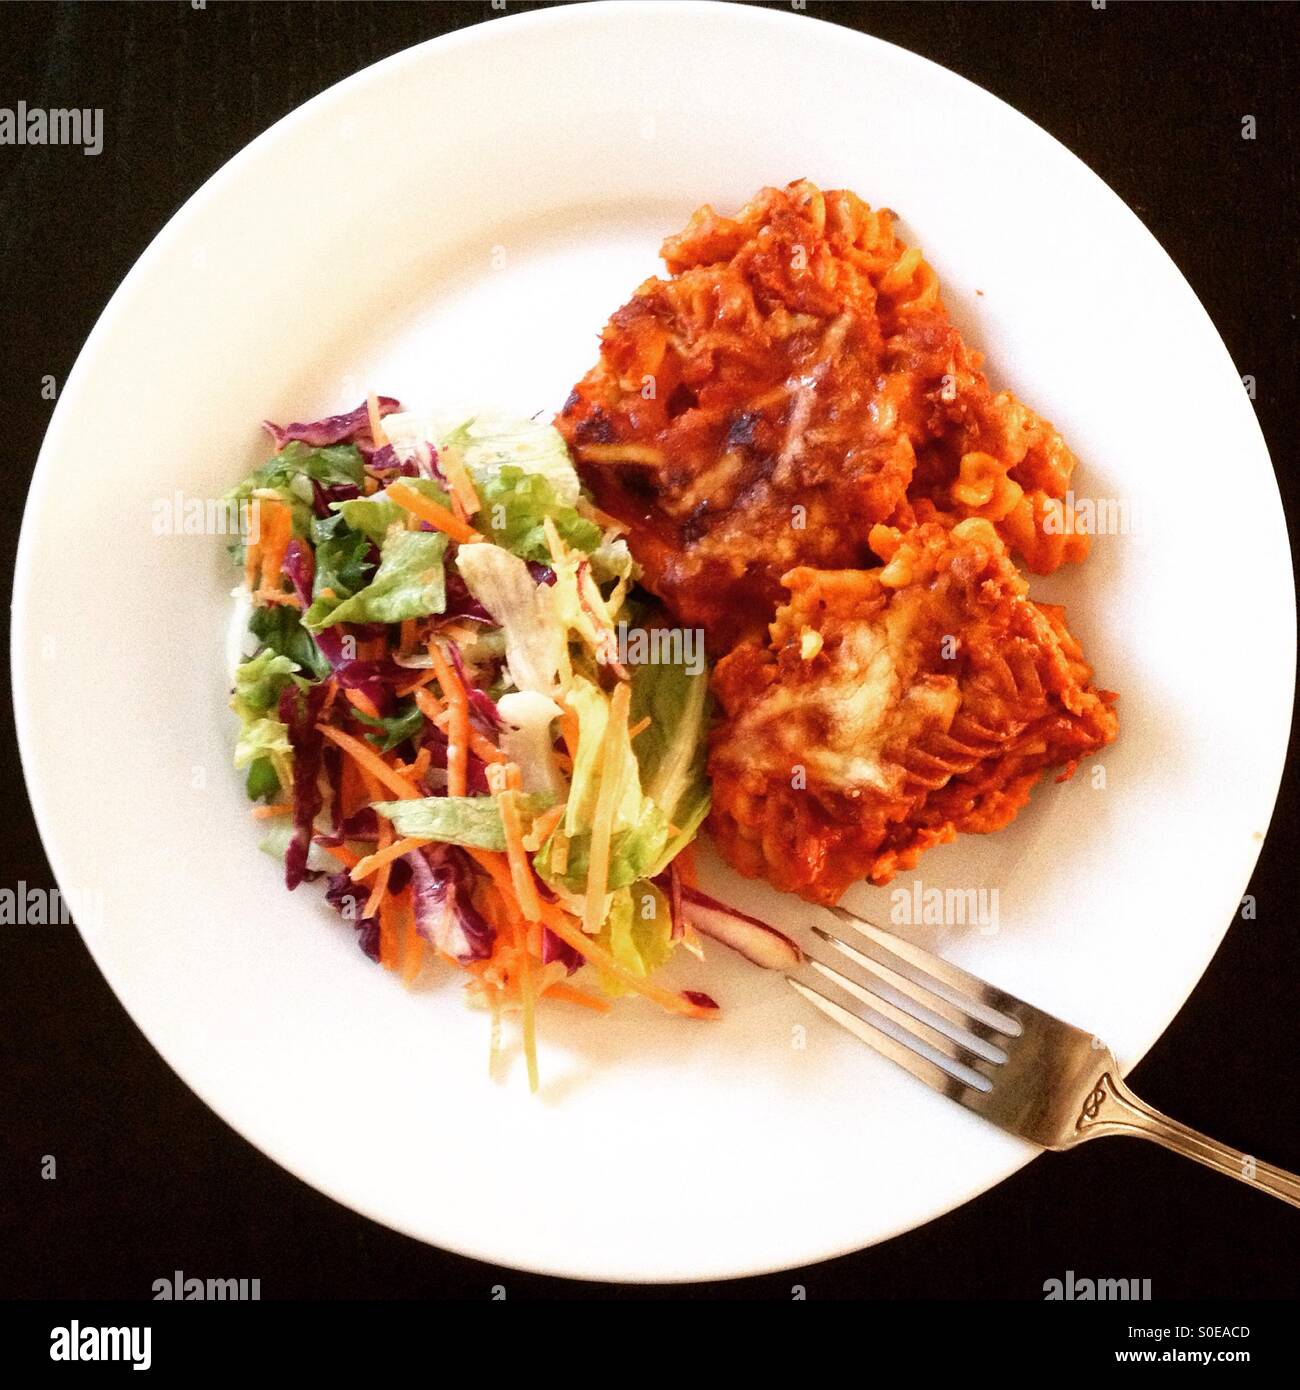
454	225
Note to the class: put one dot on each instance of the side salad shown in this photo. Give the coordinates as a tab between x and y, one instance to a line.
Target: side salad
435	719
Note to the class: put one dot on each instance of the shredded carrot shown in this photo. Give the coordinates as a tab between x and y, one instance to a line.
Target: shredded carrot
542	827
479	743
458	725
640	726
377	431
417	767
429	510
529	1003
351	792
570	932
276	530
407	642
421	680
569	730
430	705
379	888
265	596
571	994
370	761
602	820
440	716
358	699
412	943
268	812
342	854
685	865
385	856
462	485
520	870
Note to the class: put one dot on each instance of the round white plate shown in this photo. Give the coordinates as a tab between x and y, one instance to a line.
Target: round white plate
453	226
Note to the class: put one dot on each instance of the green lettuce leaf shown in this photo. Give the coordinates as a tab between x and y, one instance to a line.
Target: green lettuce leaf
263	780
259	681
637	932
458	820
515	505
263	744
290	474
673	749
640	828
502	584
489	443
374	515
337	463
409	583
633	852
280	628
265	738
342	556
392	729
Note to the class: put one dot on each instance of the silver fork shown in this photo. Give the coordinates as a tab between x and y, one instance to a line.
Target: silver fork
1029	1073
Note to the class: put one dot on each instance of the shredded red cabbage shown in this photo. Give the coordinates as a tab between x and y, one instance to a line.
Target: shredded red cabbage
480	702
360	825
347	900
299	712
555	949
700	999
322	496
462	604
300	569
333	429
440	898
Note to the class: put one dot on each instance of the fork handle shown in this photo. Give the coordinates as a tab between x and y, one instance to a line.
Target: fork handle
1114	1109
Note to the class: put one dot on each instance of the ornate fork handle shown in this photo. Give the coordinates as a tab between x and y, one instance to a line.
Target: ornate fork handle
1113	1109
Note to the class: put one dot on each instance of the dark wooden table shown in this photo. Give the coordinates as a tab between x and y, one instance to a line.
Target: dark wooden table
149	1181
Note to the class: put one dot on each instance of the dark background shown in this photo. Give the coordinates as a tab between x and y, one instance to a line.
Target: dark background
1152	97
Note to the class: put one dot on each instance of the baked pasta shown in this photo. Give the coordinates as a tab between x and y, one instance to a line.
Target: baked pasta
892	708
794	382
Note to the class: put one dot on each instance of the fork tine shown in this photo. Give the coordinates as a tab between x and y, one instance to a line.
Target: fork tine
922	1030
1000	1010
918	1000
853	1015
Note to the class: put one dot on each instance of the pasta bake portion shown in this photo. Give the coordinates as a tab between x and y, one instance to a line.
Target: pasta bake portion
892	708
795	382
